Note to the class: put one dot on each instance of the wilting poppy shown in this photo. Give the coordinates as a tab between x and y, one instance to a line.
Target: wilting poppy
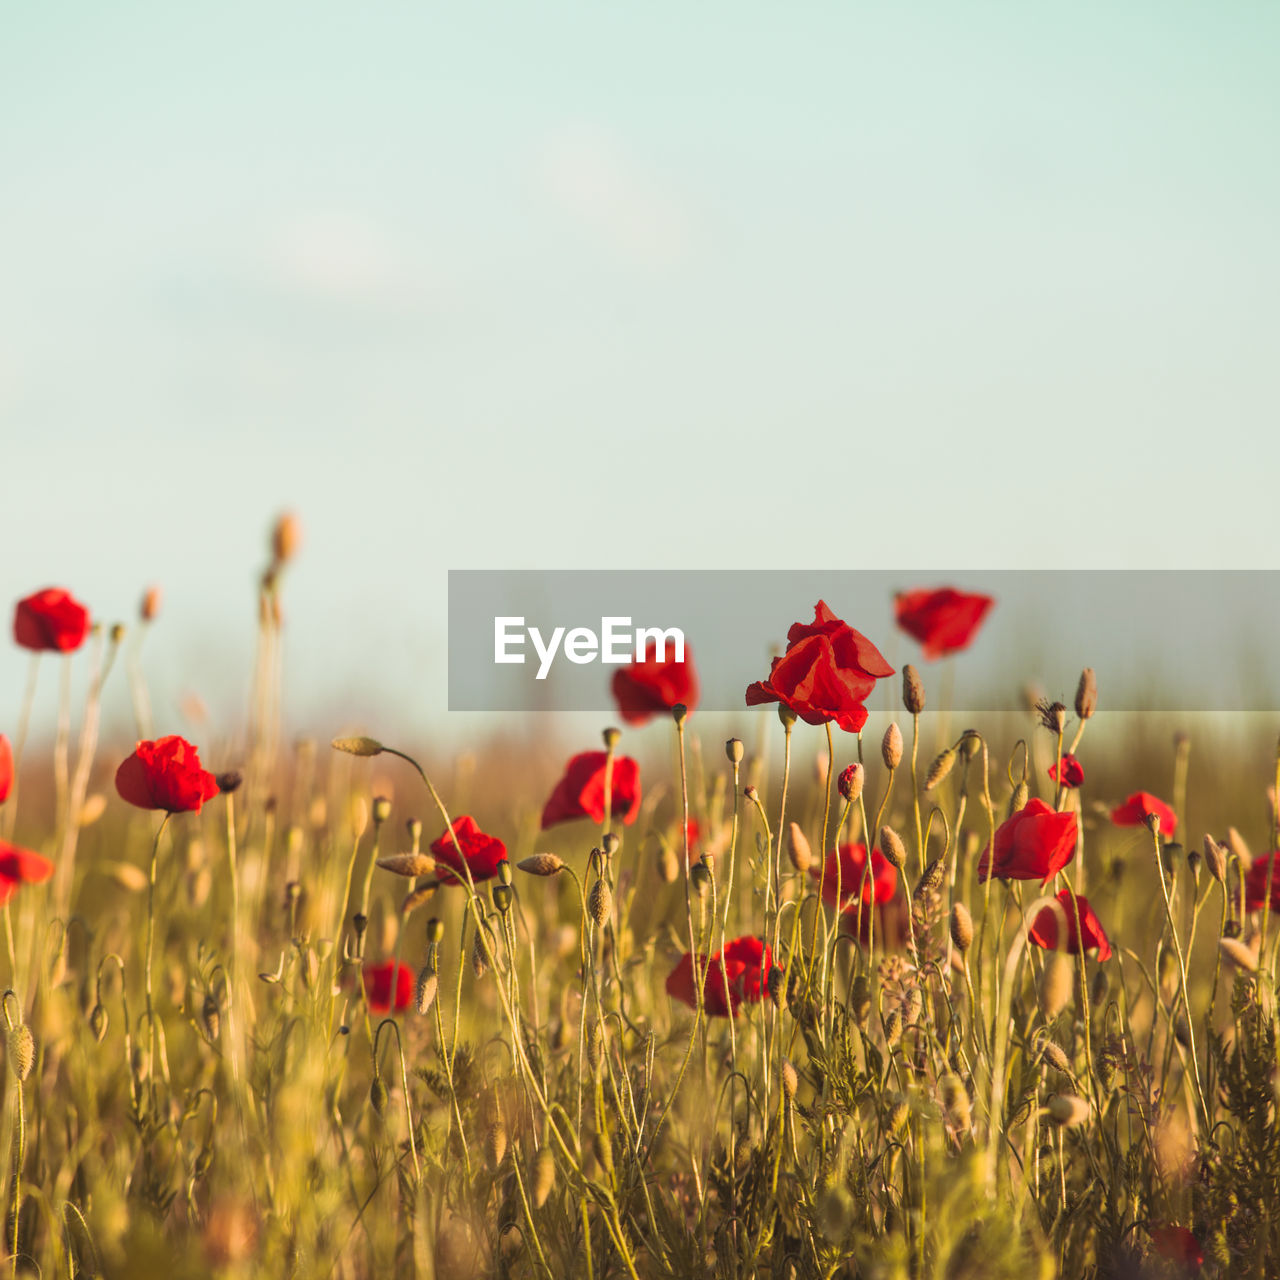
6	768
744	963
20	866
166	774
483	852
652	687
826	674
1072	771
944	621
388	984
1264	872
1136	809
580	793
844	869
1176	1243
1034	844
1044	929
52	619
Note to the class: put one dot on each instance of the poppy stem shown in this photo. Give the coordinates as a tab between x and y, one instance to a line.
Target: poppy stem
151	940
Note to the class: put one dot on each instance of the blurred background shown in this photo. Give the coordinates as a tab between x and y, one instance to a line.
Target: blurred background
925	288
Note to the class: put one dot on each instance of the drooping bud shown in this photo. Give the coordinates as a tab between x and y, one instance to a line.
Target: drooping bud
358	746
931	879
407	864
893	1029
98	1022
378	1095
541	864
912	690
1056	1057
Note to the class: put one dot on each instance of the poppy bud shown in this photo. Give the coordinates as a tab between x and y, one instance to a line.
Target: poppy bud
860	1000
98	1022
504	873
679	713
777	986
595	1046
961	926
414	828
285	538
751	793
668	865
1086	694
798	849
544	1177
1243	957
435	930
408	864
700	879
930	880
734	750
969	745
20	1048
381	810
939	769
541	864
600	902
1056	986
850	782
495	1143
1056	1058
955	1100
479	964
895	852
891	747
1215	858
425	992
1018	801
899	1113
378	1095
893	1029
230	781
912	690
150	607
790	1080
1066	1110
611	843
357	746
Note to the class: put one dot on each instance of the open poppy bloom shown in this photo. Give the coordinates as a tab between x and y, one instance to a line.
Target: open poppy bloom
20	866
52	619
580	793
1044	929
166	774
944	621
744	963
1035	844
826	674
1264	872
6	768
649	688
1176	1243
388	987
844	870
1136	809
1071	774
483	852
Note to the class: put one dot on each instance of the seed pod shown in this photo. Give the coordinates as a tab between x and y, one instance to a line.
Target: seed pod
777	986
961	926
895	852
428	983
969	745
1056	1058
912	690
541	864
786	715
790	1080
1018	801
1215	858
600	902
358	746
543	1178
610	737
98	1022
20	1048
734	750
891	747
211	1016
381	810
435	930
378	1095
939	769
1087	694
700	879
407	864
798	849
850	782
1066	1109
495	1143
1056	986
501	895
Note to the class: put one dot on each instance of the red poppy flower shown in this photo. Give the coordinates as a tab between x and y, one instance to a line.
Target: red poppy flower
20	866
580	793
483	852
1134	811
1263	872
1176	1243
387	985
646	689
826	674
744	962
891	927
50	619
1035	844
6	768
166	774
944	621
847	867
1044	929
1072	771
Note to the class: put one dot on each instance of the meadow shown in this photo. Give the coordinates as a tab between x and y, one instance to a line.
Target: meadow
843	996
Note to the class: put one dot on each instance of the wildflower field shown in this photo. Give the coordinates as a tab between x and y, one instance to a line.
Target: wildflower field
843	996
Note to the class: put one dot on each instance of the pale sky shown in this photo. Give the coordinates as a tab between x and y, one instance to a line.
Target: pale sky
926	287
